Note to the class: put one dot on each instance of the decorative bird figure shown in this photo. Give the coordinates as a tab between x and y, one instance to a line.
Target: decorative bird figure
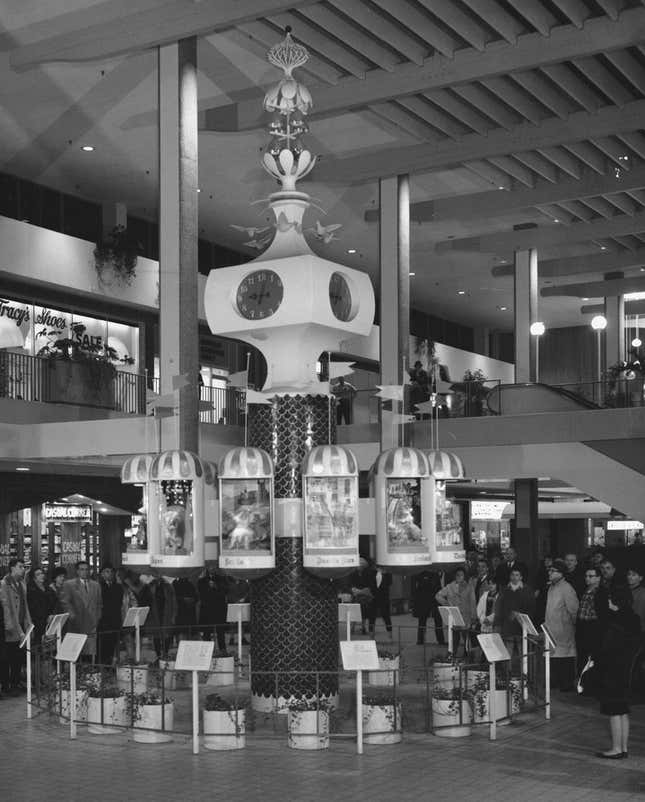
325	233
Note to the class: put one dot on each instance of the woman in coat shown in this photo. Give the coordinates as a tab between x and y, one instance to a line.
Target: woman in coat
560	618
614	659
42	601
460	593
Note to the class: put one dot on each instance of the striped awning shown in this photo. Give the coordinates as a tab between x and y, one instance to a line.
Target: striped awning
329	461
445	465
246	462
177	464
136	470
402	461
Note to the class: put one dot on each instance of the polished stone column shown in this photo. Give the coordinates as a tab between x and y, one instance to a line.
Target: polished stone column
526	537
525	310
178	229
615	331
394	297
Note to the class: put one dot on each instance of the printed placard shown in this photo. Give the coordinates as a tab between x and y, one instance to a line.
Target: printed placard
526	623
194	655
351	610
56	623
71	647
359	655
25	638
136	616
548	636
238	612
452	615
494	647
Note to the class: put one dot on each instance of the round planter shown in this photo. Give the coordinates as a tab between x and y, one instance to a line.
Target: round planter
445	675
114	718
308	729
222	672
148	728
482	707
174	680
381	725
224	729
388	670
63	702
132	679
445	718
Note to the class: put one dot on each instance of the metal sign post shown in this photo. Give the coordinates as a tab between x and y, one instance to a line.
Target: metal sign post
528	628
69	651
549	643
348	613
359	656
495	651
195	656
25	643
236	614
136	617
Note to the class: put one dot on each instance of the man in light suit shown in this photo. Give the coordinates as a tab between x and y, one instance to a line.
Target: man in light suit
82	600
16	621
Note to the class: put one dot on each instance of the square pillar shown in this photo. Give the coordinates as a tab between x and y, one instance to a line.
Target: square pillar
525	311
526	532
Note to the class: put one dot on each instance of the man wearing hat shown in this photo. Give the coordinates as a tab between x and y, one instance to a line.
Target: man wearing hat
560	619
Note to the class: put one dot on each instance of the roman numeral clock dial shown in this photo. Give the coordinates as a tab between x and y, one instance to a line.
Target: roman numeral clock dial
259	295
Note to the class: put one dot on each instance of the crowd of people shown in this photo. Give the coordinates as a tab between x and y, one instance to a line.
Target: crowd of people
97	608
594	614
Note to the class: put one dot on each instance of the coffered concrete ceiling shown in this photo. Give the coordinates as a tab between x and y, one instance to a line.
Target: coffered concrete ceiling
504	113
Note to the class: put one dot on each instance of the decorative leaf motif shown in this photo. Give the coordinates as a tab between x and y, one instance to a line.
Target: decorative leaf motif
286	161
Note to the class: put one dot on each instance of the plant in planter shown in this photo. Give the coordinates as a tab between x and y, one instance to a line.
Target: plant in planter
381	714
471	393
224	723
389	665
452	711
60	700
132	677
222	670
115	257
152	716
106	709
308	723
625	382
506	689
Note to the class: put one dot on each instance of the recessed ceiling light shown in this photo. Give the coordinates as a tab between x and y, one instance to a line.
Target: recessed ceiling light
351	250
502	261
500	187
556	220
642	269
585	299
461	292
23	469
503	308
603	247
198	189
411	274
623	158
87	148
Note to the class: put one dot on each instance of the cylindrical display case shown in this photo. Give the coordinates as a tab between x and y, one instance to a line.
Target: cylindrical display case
447	543
136	471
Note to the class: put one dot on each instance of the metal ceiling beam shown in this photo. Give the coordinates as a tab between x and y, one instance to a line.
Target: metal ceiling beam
141	30
589	263
499	58
546	236
631	308
596	289
423	158
495	203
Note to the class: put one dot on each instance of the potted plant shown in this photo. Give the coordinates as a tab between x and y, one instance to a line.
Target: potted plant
625	383
308	723
387	674
446	671
222	670
115	257
106	709
132	677
472	392
152	716
62	703
381	714
173	680
224	723
78	370
507	690
452	711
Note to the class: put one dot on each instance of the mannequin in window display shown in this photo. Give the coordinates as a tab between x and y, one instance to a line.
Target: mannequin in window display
174	522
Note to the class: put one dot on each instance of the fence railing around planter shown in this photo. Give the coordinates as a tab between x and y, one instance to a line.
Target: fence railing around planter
152	701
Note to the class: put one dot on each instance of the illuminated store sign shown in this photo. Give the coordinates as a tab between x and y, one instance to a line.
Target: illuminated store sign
613	526
487	510
69	512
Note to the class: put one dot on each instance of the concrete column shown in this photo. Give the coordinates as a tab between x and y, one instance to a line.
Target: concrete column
178	227
525	311
394	302
481	340
113	215
526	534
615	331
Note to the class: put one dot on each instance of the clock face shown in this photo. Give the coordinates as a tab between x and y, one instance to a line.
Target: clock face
259	294
342	301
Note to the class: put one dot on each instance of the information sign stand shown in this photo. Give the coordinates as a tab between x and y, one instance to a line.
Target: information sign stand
195	656
528	628
349	613
69	651
451	618
55	630
25	643
549	643
136	617
495	651
236	614
359	656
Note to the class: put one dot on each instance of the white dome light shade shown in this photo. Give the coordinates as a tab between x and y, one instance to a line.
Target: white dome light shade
637	342
538	328
599	322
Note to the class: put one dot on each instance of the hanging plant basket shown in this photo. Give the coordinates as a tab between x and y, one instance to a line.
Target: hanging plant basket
115	257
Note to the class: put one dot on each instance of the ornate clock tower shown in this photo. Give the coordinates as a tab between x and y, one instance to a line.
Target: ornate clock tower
292	305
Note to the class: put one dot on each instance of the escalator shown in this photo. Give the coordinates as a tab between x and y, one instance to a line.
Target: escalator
518	399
